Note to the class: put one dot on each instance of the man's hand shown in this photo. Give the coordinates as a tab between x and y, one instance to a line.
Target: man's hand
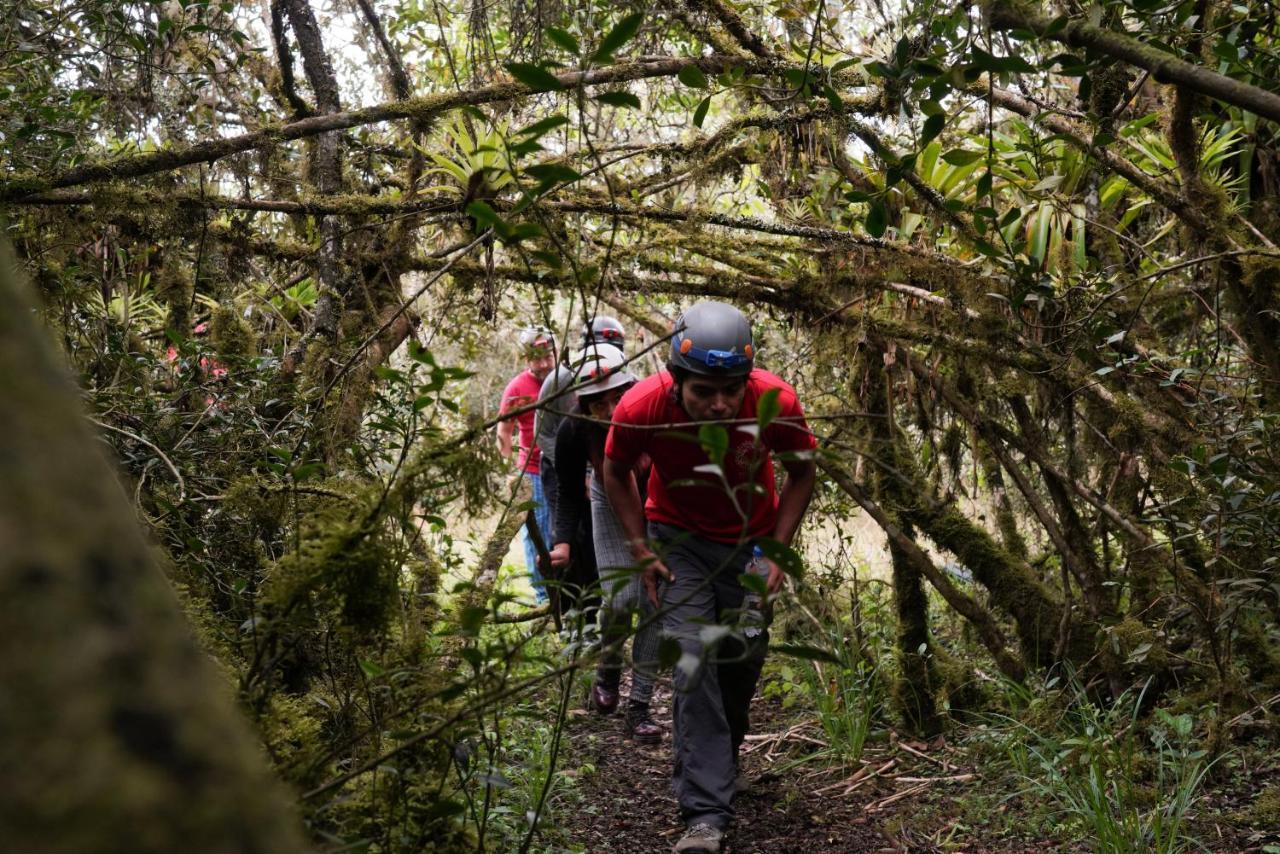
776	577
559	555
652	569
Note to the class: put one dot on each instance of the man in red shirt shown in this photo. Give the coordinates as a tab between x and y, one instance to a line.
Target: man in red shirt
539	348
711	423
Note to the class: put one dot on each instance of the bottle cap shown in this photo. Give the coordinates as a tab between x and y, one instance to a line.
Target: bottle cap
757	552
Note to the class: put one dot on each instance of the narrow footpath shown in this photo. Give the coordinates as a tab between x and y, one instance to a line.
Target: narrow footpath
627	806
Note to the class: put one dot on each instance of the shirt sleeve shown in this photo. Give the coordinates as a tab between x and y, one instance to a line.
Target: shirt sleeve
570	501
790	432
626	441
544	427
509	396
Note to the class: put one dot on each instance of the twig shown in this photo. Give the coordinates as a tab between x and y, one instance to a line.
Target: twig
876	806
859	777
182	485
954	778
946	766
1258	708
524	616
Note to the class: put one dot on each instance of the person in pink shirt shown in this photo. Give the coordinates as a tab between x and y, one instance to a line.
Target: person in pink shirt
539	349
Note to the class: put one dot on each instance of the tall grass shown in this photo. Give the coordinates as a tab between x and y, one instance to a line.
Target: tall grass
1094	769
848	696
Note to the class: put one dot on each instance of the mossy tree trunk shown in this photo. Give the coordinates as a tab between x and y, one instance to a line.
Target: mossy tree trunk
119	732
914	689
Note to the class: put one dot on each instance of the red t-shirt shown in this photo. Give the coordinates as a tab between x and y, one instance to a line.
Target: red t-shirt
698	501
521	391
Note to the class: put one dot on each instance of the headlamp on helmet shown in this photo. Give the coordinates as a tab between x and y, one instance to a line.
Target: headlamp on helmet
604	330
713	339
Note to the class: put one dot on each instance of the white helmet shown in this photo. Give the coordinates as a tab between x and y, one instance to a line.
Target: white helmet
599	370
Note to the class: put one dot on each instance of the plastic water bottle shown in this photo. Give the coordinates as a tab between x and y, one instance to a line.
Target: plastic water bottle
754	619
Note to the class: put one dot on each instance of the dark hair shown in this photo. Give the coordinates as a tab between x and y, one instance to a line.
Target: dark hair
678	375
585	400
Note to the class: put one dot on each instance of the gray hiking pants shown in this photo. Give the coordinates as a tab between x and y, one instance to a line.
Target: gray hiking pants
714	680
623	597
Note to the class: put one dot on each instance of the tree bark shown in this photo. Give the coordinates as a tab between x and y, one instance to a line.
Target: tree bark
1164	66
119	732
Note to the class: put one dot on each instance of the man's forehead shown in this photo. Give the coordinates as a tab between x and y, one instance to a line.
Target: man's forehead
717	382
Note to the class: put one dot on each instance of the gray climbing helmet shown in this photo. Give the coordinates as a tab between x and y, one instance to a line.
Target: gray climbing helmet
534	339
601	369
714	339
604	329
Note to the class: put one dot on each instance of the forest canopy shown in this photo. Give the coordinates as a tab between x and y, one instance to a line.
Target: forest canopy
1018	260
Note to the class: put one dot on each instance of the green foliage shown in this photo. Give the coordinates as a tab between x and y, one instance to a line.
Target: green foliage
1091	767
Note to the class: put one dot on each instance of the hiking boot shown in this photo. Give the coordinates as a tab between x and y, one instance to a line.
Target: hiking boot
640	726
701	837
603	699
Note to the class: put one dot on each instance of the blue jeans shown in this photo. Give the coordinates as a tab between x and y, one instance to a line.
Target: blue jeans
542	515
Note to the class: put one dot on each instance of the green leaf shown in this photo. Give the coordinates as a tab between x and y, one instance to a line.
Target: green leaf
692	76
485	216
551	259
983	187
768	408
564	39
307	471
472	618
700	112
619	99
715	441
523	231
371	669
877	219
535	77
798	77
787	558
542	126
962	157
624	32
553	173
932	127
804	651
833	98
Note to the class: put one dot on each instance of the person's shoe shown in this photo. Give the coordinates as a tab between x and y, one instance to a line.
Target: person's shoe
741	784
640	726
604	700
701	837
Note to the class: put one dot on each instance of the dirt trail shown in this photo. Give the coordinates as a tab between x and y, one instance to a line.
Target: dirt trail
924	798
628	808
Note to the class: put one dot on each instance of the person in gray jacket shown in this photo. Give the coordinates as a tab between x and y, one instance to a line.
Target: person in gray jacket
580	441
602	334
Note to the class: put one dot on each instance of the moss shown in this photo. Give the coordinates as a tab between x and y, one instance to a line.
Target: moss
340	565
1109	86
964	692
176	289
1130	644
1264	812
1257	647
952	447
232	337
1262	281
292	732
1014	587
